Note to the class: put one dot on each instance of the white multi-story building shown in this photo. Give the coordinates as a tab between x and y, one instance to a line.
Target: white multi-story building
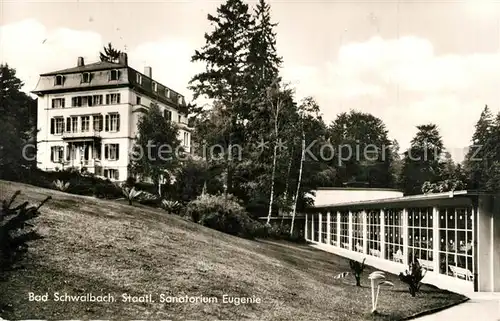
86	116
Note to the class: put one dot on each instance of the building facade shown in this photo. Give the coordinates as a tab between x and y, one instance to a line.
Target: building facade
87	116
454	236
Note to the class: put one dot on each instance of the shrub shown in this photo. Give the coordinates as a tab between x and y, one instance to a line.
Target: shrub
14	236
60	185
357	269
149	199
173	207
131	194
220	213
413	277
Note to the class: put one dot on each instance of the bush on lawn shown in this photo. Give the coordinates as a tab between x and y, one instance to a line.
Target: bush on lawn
173	207
16	231
221	213
413	277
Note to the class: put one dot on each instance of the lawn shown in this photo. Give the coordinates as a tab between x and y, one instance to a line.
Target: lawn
100	247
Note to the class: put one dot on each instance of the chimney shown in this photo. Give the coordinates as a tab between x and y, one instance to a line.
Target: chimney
80	62
148	72
122	60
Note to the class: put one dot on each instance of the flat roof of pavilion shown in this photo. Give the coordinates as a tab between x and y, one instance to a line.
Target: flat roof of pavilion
394	201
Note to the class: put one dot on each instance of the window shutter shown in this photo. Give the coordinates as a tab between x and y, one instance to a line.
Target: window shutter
68	151
107	99
100	123
53	103
117	151
106	151
68	124
52	125
107	123
117	98
118	122
89	100
52	154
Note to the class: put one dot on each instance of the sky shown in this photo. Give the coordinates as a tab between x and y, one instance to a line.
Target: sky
406	62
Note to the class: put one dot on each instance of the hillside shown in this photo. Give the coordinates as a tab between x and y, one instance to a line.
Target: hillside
100	247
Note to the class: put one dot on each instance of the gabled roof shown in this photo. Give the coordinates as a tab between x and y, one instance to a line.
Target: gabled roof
101	65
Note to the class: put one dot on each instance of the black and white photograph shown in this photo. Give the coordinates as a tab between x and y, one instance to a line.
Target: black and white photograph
250	160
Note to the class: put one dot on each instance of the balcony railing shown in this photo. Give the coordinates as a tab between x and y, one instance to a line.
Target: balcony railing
80	134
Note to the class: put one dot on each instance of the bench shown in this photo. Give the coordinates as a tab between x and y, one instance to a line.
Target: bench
345	245
375	252
359	248
426	264
461	272
398	257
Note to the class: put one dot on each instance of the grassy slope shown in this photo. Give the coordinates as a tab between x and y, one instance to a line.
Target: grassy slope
102	246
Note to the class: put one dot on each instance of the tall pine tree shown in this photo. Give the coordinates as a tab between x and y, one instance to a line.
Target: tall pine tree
476	162
224	79
110	54
422	161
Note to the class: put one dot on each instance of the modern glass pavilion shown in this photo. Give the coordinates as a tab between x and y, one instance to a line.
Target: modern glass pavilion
455	236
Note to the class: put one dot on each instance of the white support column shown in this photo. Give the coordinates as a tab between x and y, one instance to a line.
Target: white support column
312	227
338	229
365	232
405	236
328	229
382	234
435	239
320	227
350	231
306	236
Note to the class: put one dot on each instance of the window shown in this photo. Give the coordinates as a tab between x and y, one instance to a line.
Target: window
393	222
373	232
76	102
111	173
167	114
138	78
137	100
70	152
344	229
56	154
179	119
167	92
114	74
324	226
72	124
112	99
96	100
57	125
98	122
357	232
85	77
315	229
112	123
155	86
186	139
59	80
456	242
111	151
420	238
85	123
58	102
333	229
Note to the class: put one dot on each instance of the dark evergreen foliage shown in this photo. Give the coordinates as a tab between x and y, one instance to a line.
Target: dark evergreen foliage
109	54
16	230
357	269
